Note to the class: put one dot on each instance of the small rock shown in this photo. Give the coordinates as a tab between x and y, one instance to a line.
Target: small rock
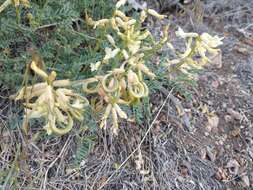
245	179
211	154
213	122
184	171
221	174
242	127
221	142
236	132
228	118
224	105
215	84
242	50
250	153
210	103
233	166
216	61
236	115
203	153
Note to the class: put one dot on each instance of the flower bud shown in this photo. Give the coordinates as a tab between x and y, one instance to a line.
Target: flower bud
120	3
110	39
155	14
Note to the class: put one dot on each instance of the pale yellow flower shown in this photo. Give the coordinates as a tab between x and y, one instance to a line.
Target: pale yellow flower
182	34
100	23
120	3
145	70
114	24
95	66
121	23
111	40
143	16
125	54
131	22
210	41
56	106
109	54
115	111
106	115
155	14
121	15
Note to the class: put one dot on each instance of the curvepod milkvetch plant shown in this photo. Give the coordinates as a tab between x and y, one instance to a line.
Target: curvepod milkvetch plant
118	77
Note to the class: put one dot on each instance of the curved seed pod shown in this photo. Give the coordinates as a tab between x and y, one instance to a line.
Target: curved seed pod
79	100
113	83
146	90
89	82
62	131
136	90
38	71
77	114
59	116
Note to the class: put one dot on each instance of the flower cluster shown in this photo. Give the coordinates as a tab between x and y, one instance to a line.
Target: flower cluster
124	83
196	45
49	100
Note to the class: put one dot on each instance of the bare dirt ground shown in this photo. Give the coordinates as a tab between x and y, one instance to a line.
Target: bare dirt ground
215	153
